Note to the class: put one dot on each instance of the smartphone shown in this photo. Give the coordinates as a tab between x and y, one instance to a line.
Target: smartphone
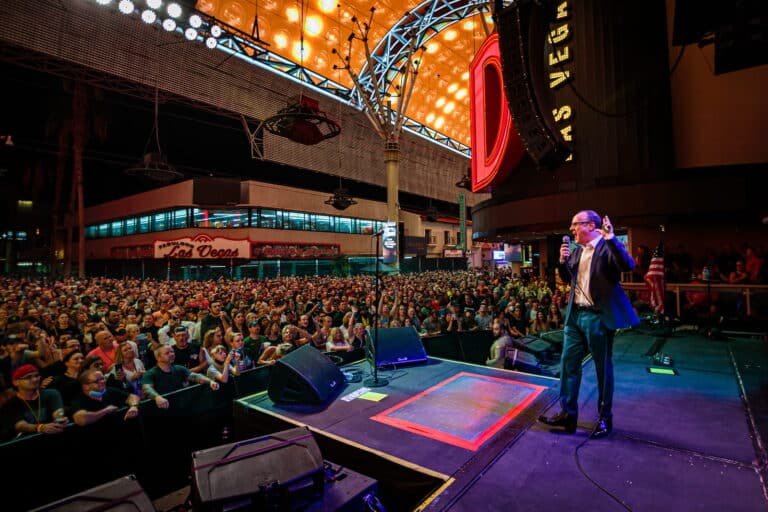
118	367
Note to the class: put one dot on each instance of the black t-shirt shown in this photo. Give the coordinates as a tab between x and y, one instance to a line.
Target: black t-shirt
68	387
16	409
189	356
113	396
520	323
165	382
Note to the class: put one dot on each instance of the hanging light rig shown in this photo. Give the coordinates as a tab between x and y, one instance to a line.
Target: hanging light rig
302	121
154	165
466	180
341	200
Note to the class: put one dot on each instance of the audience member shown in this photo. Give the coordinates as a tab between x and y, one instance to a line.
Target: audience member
166	377
96	400
32	409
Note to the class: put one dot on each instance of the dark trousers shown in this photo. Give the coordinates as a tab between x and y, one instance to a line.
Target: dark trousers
586	332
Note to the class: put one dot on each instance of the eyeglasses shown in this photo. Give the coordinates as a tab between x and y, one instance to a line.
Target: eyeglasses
574	224
98	381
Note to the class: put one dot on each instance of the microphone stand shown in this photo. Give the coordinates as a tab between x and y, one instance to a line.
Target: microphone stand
375	381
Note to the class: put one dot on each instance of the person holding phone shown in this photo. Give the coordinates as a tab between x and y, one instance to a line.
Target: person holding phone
597	306
128	369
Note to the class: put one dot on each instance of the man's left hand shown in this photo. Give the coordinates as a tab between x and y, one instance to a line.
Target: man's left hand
607	228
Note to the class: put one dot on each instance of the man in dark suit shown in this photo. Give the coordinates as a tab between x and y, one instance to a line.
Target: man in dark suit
596	308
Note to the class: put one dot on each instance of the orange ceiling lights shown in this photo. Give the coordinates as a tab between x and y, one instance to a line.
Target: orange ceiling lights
441	94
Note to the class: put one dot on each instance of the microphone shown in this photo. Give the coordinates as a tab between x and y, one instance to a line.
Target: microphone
378	233
567	243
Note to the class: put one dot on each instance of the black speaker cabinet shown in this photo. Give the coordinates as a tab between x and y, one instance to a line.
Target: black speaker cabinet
399	345
304	376
122	495
280	471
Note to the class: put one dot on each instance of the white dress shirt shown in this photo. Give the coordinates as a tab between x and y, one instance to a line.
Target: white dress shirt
581	295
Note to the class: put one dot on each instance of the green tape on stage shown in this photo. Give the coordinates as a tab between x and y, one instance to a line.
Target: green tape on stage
662	371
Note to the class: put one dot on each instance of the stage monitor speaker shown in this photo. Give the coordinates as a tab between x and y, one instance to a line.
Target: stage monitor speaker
399	345
280	471
304	376
122	495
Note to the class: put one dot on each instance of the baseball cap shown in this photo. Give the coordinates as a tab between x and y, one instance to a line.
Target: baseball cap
23	371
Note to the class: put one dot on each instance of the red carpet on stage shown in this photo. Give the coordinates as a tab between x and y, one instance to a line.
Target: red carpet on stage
464	410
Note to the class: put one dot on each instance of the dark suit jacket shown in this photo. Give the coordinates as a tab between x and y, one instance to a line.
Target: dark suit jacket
608	262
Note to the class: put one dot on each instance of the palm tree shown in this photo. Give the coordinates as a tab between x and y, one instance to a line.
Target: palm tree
76	124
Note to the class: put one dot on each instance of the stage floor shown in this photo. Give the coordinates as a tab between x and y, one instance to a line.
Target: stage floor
680	442
434	416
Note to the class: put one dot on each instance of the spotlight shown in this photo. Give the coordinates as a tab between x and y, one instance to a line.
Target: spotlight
154	4
148	16
125	6
174	10
195	21
210	42
103	2
215	31
169	25
190	34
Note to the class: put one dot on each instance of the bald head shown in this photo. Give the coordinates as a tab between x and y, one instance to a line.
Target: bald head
104	338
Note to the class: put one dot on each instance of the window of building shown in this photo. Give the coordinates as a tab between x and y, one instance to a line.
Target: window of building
130	226
343	225
116	228
268	218
180	219
322	223
200	218
160	221
220	219
145	224
297	220
365	227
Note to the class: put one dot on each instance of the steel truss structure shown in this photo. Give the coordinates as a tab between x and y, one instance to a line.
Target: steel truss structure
422	23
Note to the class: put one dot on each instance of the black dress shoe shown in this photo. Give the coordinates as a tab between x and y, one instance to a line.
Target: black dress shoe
602	429
561	419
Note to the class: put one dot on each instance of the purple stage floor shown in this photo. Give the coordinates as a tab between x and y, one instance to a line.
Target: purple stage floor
434	417
680	442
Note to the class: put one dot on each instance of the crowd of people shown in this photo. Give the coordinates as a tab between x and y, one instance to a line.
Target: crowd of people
80	349
729	265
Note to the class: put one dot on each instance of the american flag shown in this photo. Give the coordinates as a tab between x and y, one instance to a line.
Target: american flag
654	279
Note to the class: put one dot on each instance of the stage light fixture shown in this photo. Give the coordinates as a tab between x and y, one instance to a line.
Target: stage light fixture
190	34
148	16
210	42
169	25
195	20
154	4
174	10
216	31
103	2
126	6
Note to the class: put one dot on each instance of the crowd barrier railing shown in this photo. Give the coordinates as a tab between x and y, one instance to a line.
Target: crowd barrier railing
157	445
750	300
